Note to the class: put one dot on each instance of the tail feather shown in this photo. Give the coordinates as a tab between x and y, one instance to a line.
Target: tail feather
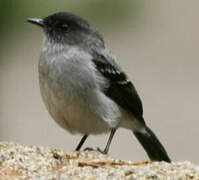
152	145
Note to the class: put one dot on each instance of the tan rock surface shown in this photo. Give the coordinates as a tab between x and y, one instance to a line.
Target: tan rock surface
33	162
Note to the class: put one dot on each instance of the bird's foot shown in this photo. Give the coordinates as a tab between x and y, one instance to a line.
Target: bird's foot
89	149
98	149
101	151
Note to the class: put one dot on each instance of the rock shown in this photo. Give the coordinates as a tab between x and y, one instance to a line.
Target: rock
40	163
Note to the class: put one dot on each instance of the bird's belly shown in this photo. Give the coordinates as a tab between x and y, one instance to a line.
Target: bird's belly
70	114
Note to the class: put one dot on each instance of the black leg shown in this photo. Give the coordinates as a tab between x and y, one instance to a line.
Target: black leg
81	142
109	141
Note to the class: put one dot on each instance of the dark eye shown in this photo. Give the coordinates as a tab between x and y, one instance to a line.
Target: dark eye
64	26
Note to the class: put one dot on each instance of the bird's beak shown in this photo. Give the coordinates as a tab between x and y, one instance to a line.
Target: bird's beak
36	21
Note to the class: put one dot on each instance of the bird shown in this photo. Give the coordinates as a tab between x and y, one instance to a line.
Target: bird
83	86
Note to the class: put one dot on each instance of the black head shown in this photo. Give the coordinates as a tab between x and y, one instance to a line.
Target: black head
68	28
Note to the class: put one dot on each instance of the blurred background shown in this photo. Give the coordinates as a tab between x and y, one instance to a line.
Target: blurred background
155	41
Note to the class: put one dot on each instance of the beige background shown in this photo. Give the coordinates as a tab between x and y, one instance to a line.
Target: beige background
160	54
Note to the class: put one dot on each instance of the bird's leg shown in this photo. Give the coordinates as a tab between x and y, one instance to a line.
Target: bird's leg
83	139
105	151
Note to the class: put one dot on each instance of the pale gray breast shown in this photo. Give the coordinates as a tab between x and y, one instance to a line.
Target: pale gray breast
70	88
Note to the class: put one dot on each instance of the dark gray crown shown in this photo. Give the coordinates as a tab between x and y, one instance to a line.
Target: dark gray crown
65	27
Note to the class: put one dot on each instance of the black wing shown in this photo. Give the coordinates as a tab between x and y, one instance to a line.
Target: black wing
121	90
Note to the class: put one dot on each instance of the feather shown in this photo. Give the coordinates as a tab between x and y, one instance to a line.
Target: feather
120	89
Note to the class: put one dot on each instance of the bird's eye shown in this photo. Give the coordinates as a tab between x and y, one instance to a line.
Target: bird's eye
64	26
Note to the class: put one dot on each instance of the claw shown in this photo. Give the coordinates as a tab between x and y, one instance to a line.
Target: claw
89	149
99	150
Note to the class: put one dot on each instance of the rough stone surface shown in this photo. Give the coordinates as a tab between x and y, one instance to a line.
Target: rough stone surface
40	163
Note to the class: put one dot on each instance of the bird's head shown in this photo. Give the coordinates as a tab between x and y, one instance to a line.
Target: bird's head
70	29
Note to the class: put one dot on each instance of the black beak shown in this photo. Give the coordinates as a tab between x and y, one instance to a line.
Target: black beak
36	21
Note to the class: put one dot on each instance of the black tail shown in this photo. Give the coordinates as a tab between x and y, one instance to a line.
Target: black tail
152	145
